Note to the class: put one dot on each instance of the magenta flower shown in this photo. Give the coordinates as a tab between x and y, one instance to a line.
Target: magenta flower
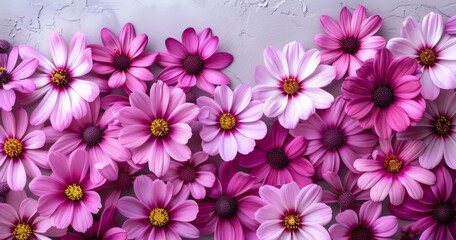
385	94
347	194
194	61
19	153
349	43
229	208
14	77
25	222
98	138
290	83
368	225
436	215
157	216
156	128
451	25
334	136
231	122
123	59
432	48
195	174
293	213
67	196
394	169
437	131
64	90
278	159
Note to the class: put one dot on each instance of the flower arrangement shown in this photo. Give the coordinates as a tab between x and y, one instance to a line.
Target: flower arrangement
94	145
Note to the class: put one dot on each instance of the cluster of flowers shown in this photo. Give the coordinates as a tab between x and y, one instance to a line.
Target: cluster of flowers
392	130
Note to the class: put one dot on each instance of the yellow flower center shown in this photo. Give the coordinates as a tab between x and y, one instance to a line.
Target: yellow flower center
290	86
22	231
60	77
159	217
393	164
159	127
292	221
74	192
442	126
13	147
227	121
427	57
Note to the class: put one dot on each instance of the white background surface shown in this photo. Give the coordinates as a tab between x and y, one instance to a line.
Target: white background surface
245	28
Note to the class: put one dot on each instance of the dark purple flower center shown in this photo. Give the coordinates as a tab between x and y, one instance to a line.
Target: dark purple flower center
193	64
346	201
278	159
4	76
121	62
333	138
444	213
361	233
123	181
92	135
442	126
187	173
350	45
226	206
383	96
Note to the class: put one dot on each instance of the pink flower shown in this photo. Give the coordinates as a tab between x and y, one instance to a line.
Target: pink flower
435	218
156	128
278	159
194	61
293	213
432	48
368	225
157	216
334	136
437	131
67	196
231	122
347	194
385	94
19	152
25	222
394	169
195	175
64	90
290	83
229	208
349	43
123	59
14	77
98	138
451	25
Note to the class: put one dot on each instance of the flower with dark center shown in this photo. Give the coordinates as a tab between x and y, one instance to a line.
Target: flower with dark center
346	201
187	173
226	207
121	62
427	57
92	135
393	164
159	217
13	148
227	121
444	213
361	233
290	86
60	77
383	96
74	192
23	231
193	64
292	221
278	159
4	76
333	139
442	126
350	45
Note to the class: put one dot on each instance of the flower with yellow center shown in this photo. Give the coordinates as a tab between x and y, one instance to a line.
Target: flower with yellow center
427	57
74	192
13	147
22	231
227	121
292	221
393	164
290	86
159	127
159	217
60	77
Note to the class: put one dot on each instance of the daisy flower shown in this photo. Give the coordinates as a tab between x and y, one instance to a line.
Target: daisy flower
157	216
350	42
392	170
278	159
436	215
385	94
98	138
229	207
334	136
194	61
293	213
437	131
123	59
14	77
290	83
366	225
64	90
347	194
195	174
432	48
67	196
20	153
156	128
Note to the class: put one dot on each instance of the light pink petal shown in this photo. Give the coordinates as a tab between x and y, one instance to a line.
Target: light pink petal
77	50
385	227
58	49
159	158
421	175
87	90
308	64
132	208
16	177
397	193
208	48
370	26
133	136
141	73
44	109
275	105
185	211
442	76
276	63
413	188
369	212
341	65
224	96
331	27
176	48
180	152
7	99
228	229
327	42
432	28
110	41
345	19
321	77
228	148
25	69
61	115
126	36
